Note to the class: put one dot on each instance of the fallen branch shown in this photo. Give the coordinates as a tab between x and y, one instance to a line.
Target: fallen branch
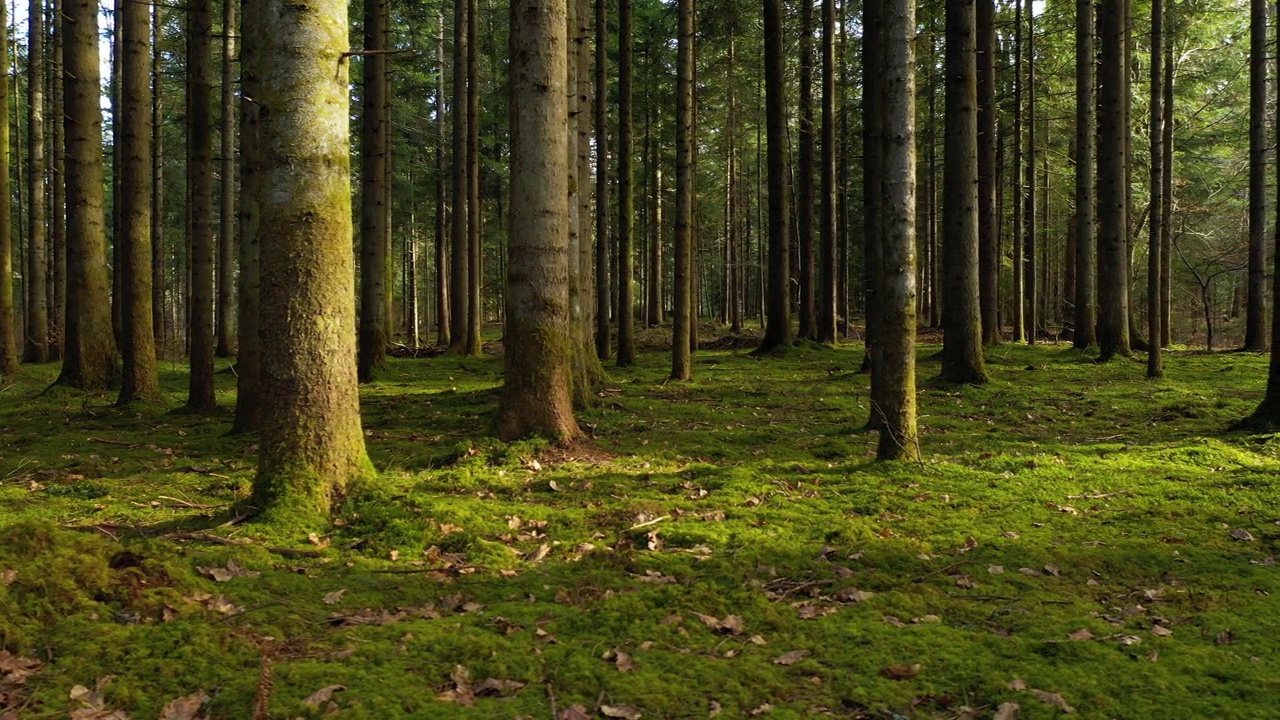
228	542
117	443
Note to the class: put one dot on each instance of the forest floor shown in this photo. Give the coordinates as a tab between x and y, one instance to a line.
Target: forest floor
1076	538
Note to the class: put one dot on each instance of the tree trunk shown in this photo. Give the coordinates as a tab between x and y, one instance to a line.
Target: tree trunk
805	197
536	396
90	362
200	396
681	358
249	307
777	334
157	186
312	446
459	276
475	311
897	278
1016	302
602	184
1166	195
140	380
8	315
57	191
37	335
962	360
1255	323
1086	295
375	195
227	212
872	193
1029	290
626	191
1113	223
117	260
442	294
827	226
1155	225
989	258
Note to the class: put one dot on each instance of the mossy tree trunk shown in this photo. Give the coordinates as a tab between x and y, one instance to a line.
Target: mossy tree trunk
140	381
8	316
777	334
536	396
227	245
37	335
897	277
962	360
1113	210
1086	296
200	391
682	329
375	194
312	446
90	346
626	192
988	228
248	416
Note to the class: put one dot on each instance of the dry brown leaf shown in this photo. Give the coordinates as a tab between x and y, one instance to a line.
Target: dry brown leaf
185	708
810	611
540	554
1161	631
333	597
900	671
1017	685
573	712
791	658
7	577
1053	570
964	582
995	569
715	709
323	695
1053	699
626	712
1242	535
1081	634
1007	711
853	595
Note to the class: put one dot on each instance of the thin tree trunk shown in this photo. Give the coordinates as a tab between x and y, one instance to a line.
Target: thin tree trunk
602	184
157	186
375	195
1029	278
872	194
778	325
8	315
1086	290
1113	223
1255	324
200	395
681	358
805	195
90	362
249	411
459	275
1016	302
57	192
443	273
626	191
37	335
1166	195
827	226
962	360
988	228
475	310
117	259
140	381
227	212
1155	224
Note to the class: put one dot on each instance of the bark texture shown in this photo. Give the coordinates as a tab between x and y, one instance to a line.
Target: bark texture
777	335
1113	209
1086	296
312	446
1155	224
200	390
37	276
626	193
375	193
988	227
8	317
227	197
1255	322
249	352
682	330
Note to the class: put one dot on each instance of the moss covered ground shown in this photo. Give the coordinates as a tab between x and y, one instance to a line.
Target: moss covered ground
1076	537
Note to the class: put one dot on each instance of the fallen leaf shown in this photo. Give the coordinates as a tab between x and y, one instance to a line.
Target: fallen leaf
540	554
853	595
765	708
1053	570
965	582
7	577
810	611
491	687
1081	634
757	640
333	597
715	709
573	712
322	696
626	712
995	569
791	658
1242	535
185	708
1161	631
900	671
449	529
1017	685
1128	640
1012	535
1030	572
1053	699
1007	711
620	659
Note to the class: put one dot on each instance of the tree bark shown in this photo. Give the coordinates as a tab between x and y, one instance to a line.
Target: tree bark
536	396
90	362
442	248
626	191
805	196
826	297
249	410
1166	195
57	191
777	334
1255	324
459	276
1016	301
1086	290
8	316
37	335
375	195
312	446
602	185
988	229
140	381
227	211
1113	211
475	310
200	393
897	277
1029	279
962	360
872	193
1155	224
682	331
157	186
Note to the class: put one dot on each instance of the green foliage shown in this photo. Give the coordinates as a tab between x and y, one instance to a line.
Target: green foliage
1111	503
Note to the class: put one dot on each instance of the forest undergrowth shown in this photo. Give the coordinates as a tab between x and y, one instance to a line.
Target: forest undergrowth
1076	539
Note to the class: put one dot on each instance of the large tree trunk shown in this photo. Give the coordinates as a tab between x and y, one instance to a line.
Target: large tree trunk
140	380
602	184
988	229
826	297
1255	323
777	334
962	360
37	335
626	192
249	358
200	395
897	277
90	362
227	197
8	316
682	330
536	396
312	446
1113	211
375	195
1155	224
804	193
459	278
1086	295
